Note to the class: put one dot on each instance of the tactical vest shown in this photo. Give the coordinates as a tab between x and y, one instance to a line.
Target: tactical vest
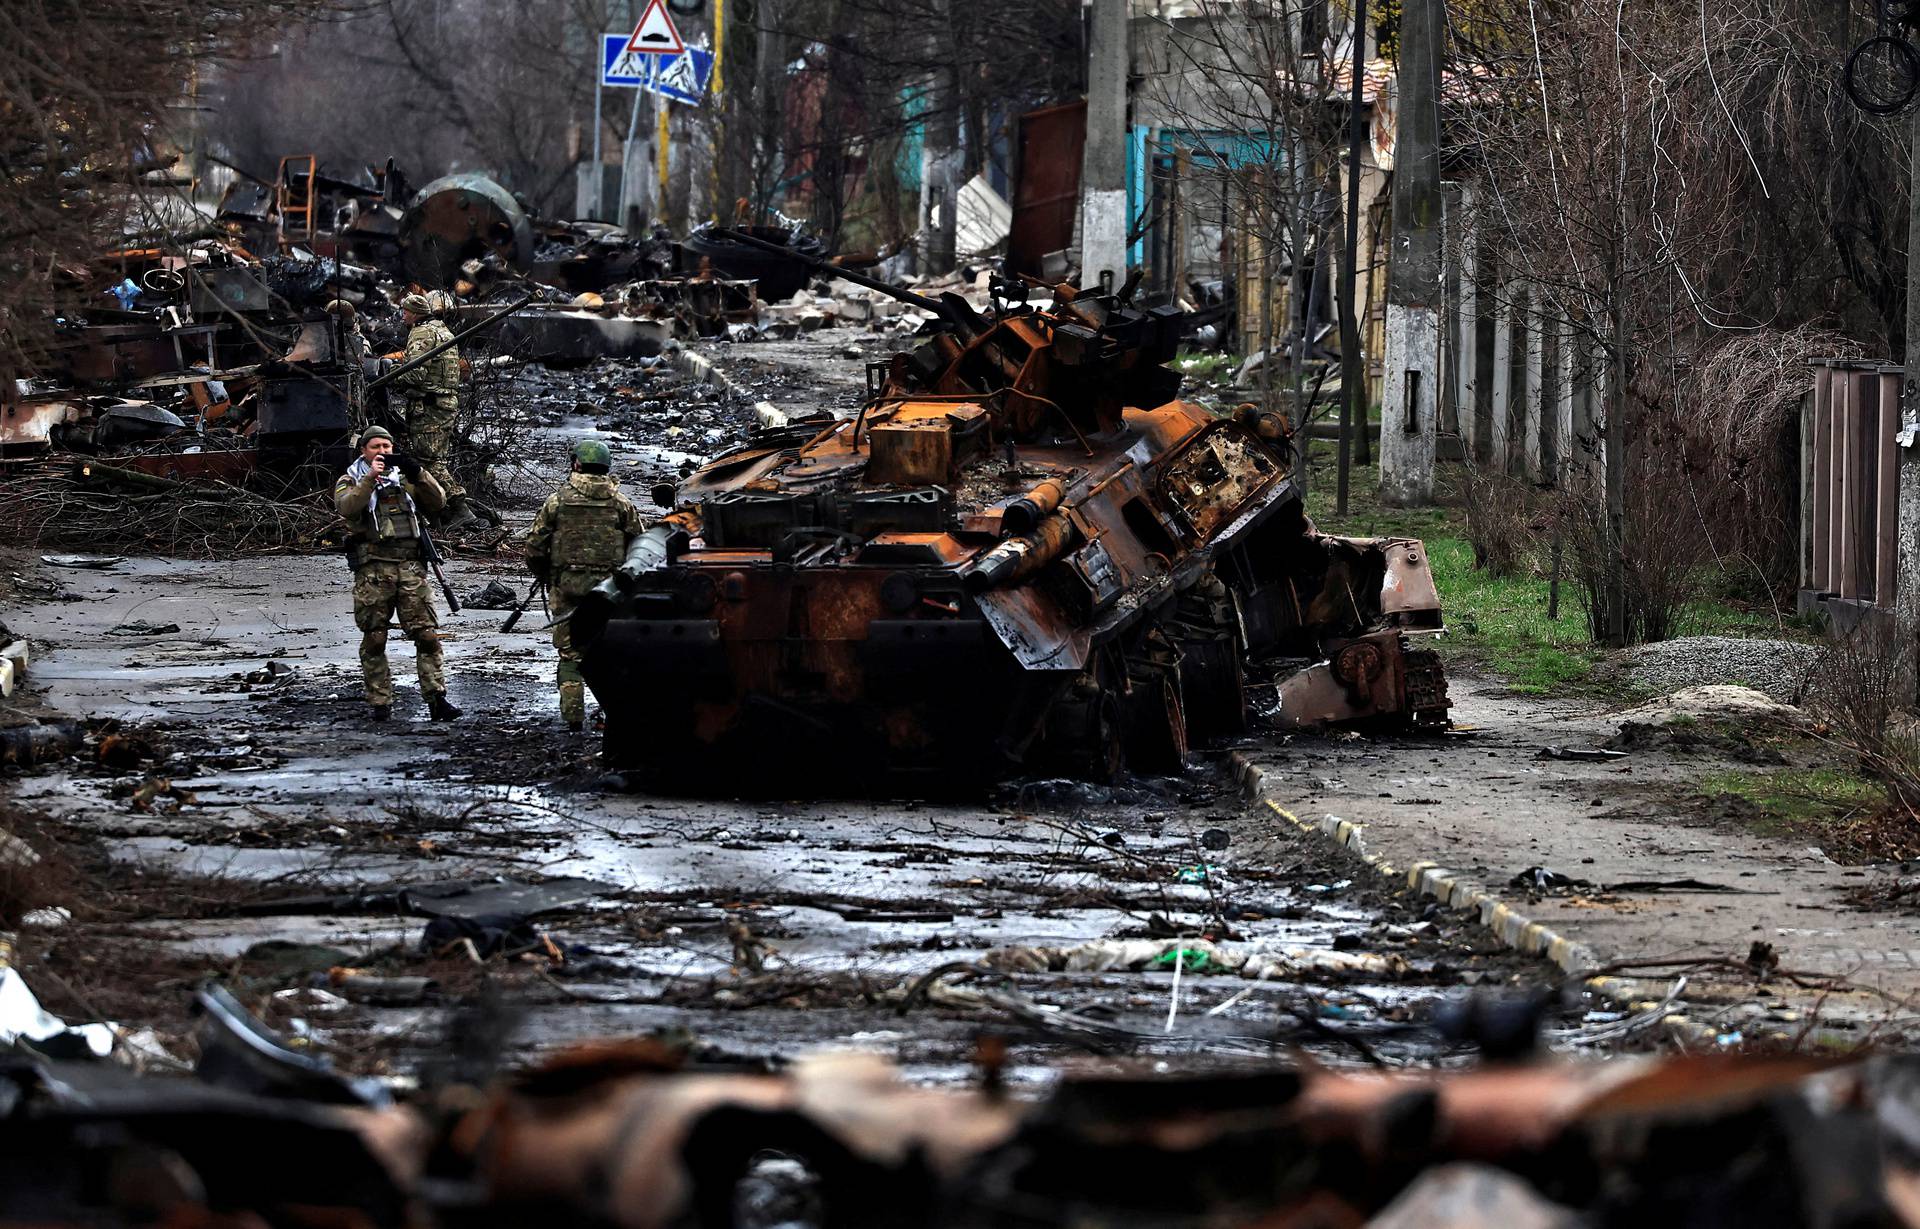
586	535
388	530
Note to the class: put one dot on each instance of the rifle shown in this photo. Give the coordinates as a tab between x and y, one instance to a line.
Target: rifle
430	555
455	340
539	586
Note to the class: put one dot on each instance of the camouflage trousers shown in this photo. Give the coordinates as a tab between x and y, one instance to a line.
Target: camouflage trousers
382	589
565	593
430	436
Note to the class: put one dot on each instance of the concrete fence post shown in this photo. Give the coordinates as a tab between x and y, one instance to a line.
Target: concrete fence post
1534	417
1500	420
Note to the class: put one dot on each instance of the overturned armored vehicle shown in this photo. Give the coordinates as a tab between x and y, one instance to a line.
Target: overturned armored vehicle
1022	555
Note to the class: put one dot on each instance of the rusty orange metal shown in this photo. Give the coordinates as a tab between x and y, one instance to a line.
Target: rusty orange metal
1024	553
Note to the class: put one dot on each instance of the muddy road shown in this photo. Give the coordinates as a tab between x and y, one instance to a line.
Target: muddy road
381	888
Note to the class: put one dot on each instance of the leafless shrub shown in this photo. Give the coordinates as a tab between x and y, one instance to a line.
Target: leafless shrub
1664	554
1741	406
494	430
1502	519
48	505
1859	692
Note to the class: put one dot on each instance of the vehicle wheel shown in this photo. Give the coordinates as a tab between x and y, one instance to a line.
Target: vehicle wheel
1085	730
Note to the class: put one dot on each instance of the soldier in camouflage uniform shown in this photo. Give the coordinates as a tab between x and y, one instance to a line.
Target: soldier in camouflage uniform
432	392
580	536
381	497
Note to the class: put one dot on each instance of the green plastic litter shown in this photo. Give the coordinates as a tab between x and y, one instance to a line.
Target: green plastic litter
1191	960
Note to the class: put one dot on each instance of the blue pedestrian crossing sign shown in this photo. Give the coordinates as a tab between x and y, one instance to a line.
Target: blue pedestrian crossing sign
683	77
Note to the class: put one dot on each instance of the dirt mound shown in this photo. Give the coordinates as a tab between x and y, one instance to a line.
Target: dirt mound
1715	700
1714	719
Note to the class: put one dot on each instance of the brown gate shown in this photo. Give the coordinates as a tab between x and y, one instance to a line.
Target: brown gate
1048	190
1849	487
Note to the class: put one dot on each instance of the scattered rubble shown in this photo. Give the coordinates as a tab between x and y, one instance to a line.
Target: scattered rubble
214	385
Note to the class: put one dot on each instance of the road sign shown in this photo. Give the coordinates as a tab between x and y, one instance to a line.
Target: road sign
656	34
682	78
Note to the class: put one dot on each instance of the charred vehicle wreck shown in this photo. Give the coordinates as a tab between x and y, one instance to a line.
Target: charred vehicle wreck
1024	554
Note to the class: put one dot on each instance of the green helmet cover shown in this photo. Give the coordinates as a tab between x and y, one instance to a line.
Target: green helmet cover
592	452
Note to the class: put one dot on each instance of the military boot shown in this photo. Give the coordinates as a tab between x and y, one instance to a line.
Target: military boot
440	708
457	515
382	711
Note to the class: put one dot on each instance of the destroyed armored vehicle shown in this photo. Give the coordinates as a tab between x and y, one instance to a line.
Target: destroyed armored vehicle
1023	555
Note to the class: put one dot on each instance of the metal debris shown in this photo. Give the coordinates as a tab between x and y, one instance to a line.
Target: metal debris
1023	553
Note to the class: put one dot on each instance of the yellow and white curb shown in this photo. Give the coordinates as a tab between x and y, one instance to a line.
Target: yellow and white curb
1513	928
700	367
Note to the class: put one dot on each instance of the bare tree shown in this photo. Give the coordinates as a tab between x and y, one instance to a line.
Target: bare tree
440	85
1657	178
1258	92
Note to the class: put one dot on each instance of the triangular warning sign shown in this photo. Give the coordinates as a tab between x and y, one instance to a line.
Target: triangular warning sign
656	35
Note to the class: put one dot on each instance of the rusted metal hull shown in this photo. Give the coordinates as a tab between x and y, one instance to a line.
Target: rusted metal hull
867	673
460	218
758	665
1024	554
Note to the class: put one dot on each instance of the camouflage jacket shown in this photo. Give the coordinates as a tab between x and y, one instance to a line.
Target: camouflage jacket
382	515
439	376
585	528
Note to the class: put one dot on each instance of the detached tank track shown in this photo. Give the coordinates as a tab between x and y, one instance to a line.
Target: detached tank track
1427	700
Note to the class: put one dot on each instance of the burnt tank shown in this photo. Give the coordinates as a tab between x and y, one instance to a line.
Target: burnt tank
1024	554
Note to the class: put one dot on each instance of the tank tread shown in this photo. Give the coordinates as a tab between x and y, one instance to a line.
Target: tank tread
1427	700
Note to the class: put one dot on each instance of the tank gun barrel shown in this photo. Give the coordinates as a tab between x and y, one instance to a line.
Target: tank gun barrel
649	552
827	266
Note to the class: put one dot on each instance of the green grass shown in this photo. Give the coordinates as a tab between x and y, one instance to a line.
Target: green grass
1799	796
1204	365
1501	623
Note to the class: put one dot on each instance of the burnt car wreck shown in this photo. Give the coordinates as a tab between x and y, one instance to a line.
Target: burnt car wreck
1024	551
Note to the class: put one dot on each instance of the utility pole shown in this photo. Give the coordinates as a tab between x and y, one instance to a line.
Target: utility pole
767	107
1409	417
636	201
1906	587
592	184
939	193
1103	174
1353	368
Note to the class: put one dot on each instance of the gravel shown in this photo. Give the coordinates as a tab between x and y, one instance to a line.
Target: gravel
1774	667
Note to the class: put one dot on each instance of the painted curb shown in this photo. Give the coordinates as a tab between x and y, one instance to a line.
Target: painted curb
1509	925
705	370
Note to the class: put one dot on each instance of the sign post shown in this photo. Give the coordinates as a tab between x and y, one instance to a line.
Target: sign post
653	59
683	77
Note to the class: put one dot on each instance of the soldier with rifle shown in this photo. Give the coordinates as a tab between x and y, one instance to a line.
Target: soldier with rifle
382	497
432	389
579	537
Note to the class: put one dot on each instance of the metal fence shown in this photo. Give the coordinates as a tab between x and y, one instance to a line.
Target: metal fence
1849	486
